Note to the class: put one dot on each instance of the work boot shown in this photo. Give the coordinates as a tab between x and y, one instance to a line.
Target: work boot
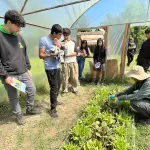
99	82
76	93
33	111
20	119
53	113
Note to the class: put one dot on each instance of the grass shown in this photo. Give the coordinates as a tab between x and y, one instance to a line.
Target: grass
43	133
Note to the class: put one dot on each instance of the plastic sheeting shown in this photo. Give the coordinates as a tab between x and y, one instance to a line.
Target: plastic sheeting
116	40
65	16
111	12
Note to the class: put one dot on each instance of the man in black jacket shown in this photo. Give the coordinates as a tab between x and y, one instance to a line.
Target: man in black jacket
131	51
144	54
14	63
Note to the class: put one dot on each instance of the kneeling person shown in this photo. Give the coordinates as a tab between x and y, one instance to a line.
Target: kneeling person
138	93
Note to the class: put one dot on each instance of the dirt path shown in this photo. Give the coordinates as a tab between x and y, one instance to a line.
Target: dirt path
41	132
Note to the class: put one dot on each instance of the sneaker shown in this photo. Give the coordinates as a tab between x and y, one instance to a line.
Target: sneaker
20	119
53	113
78	83
76	93
33	111
60	103
93	81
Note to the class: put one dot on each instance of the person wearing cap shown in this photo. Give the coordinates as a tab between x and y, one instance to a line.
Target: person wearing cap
143	58
131	51
138	93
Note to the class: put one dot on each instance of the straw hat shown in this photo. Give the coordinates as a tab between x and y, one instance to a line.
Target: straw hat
138	73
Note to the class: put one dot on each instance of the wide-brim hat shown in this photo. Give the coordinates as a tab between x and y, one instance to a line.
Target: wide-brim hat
138	73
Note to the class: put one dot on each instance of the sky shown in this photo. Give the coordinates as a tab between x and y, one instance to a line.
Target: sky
95	14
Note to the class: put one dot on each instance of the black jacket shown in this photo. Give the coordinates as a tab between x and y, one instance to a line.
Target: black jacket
13	55
144	54
99	54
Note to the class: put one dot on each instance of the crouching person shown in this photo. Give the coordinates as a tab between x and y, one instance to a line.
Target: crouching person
138	93
14	63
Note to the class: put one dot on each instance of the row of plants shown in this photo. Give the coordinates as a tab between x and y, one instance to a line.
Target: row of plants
103	126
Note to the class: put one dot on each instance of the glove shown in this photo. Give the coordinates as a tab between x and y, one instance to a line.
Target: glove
110	97
118	101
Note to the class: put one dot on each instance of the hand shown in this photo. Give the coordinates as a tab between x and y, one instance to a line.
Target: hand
8	80
79	54
57	43
110	97
30	73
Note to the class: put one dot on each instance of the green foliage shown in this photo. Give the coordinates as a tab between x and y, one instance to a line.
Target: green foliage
102	125
121	143
70	147
93	145
138	33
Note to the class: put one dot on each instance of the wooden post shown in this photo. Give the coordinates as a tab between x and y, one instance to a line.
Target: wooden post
124	50
107	28
107	36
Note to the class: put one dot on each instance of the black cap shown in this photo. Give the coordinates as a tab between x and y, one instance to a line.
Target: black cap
147	31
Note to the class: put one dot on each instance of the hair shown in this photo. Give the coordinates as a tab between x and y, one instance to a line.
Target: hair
14	17
99	49
147	31
100	40
56	28
66	31
86	46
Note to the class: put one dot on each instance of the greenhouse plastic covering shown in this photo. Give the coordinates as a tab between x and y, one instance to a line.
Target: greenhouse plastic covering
93	13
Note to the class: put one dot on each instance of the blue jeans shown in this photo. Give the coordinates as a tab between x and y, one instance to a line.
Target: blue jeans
81	62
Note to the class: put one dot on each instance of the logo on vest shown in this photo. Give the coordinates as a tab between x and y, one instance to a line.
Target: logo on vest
21	46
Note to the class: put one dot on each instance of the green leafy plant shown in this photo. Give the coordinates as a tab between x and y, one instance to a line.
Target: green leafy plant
93	145
70	147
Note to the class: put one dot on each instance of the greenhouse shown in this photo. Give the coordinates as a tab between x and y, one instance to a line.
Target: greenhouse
88	121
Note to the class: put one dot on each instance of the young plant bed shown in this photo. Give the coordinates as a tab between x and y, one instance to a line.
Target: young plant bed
104	125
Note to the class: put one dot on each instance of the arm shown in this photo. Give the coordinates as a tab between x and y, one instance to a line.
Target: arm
89	52
74	53
140	52
3	72
42	54
127	91
27	59
143	92
104	58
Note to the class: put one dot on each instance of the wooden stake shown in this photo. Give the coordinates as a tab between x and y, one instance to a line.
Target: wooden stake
124	51
107	36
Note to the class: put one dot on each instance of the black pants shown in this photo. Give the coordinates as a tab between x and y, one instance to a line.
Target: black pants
54	83
130	58
142	107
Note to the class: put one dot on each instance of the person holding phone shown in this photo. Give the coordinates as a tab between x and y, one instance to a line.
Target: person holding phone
99	62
